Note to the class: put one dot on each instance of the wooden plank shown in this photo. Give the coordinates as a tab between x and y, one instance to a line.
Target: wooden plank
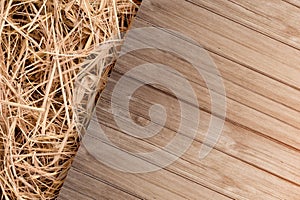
226	38
192	172
249	147
67	194
251	118
242	103
242	113
82	186
244	149
295	3
155	185
264	16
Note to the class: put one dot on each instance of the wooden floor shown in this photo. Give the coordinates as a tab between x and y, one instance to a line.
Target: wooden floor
255	45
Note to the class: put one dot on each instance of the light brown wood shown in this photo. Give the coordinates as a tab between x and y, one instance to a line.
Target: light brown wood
236	140
266	17
160	184
255	45
227	38
90	187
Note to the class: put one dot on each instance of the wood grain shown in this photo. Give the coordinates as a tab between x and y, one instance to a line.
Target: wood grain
231	133
255	46
226	38
91	188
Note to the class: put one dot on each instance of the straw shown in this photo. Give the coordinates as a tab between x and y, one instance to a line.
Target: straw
43	46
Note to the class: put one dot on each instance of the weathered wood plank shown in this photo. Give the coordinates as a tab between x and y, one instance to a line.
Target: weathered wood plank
265	16
82	186
226	38
256	120
250	147
250	115
242	104
148	97
155	185
68	193
295	3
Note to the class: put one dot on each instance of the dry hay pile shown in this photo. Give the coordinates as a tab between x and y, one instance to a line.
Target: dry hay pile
42	46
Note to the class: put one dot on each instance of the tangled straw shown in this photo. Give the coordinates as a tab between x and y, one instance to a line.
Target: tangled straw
43	44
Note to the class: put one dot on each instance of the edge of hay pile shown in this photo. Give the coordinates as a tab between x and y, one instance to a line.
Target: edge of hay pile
43	46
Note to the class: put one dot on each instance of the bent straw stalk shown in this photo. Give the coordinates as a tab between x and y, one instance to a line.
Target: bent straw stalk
43	44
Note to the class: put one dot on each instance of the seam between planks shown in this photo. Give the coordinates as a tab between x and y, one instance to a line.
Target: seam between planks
107	183
227	119
223	55
286	1
242	24
201	142
244	104
219	150
78	191
169	170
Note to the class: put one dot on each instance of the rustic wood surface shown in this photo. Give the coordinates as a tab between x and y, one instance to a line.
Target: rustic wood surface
255	46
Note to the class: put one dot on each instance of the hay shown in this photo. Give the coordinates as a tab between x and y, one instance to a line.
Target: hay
43	44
